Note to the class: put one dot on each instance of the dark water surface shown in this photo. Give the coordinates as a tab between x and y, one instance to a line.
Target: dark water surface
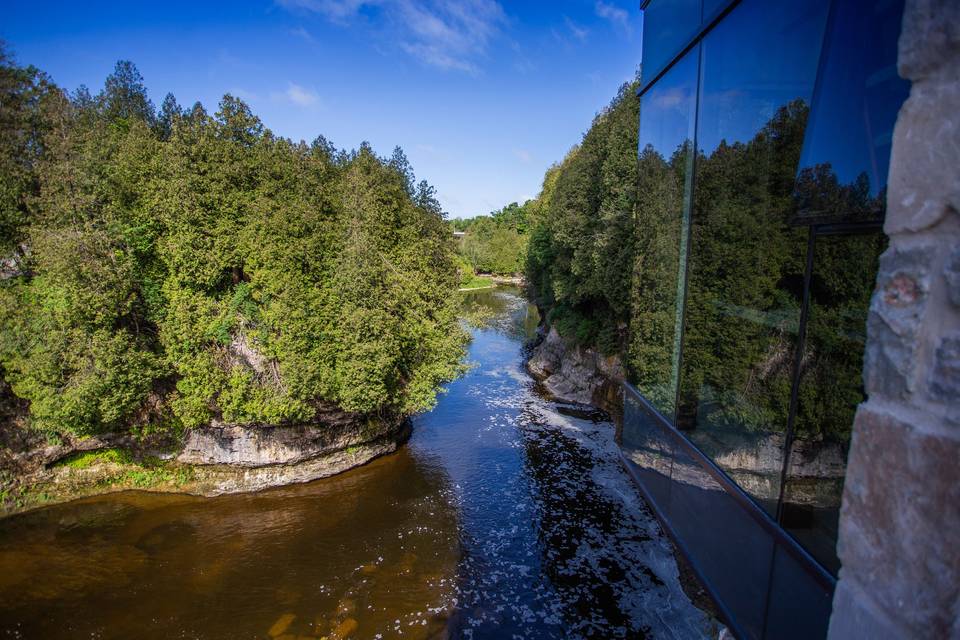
506	516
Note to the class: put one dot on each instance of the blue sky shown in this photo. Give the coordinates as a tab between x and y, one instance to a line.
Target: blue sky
482	95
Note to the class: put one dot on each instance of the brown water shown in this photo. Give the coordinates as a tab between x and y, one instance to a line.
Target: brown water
506	516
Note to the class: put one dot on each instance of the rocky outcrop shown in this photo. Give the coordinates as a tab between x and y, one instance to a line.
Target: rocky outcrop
24	451
12	266
239	458
218	479
214	460
577	374
261	445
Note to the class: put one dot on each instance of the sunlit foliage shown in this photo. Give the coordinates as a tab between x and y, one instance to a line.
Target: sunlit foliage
200	264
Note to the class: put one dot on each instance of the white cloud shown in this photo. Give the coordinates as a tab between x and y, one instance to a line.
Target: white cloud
614	14
523	155
337	10
448	34
297	95
300	32
670	98
580	33
521	63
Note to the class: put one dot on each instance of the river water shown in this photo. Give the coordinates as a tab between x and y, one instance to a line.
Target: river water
507	515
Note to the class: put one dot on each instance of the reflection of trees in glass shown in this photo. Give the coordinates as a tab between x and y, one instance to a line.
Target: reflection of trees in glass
831	387
840	287
653	319
820	197
746	280
746	275
746	285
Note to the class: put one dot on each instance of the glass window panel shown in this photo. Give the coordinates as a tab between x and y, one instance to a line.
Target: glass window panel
667	113
843	173
710	7
668	25
831	387
649	448
799	605
746	263
725	542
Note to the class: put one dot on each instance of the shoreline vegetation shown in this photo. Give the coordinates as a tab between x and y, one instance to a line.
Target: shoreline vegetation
491	249
490	281
166	272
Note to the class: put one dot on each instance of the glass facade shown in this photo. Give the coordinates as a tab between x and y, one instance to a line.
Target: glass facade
664	192
843	171
678	20
844	268
746	262
763	157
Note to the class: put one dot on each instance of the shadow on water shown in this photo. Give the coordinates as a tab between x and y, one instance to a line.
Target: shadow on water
308	558
505	516
572	514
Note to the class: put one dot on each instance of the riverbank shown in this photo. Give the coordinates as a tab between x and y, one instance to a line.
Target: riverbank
489	281
575	373
211	461
222	459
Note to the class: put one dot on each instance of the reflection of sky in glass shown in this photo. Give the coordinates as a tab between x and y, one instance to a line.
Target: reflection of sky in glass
860	93
667	26
666	109
761	57
710	7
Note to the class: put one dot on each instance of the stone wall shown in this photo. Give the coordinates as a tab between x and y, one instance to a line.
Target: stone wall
900	521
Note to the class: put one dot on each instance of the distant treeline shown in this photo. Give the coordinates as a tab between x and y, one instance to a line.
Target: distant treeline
163	269
496	243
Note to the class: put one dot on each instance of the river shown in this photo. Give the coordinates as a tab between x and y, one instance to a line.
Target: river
507	515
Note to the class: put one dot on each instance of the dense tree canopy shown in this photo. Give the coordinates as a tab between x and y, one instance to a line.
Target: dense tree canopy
581	239
496	243
181	267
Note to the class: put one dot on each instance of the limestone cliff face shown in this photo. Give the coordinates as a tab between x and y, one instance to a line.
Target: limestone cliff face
260	445
217	459
232	459
238	458
577	374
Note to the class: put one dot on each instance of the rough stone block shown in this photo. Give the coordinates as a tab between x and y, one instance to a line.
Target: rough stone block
929	38
951	271
856	617
945	376
899	522
924	186
894	321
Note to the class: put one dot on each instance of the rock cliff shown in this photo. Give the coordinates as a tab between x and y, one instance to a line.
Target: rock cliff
214	460
577	374
236	458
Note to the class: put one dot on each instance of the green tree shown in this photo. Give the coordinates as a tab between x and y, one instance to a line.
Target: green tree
202	265
170	113
22	92
124	96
